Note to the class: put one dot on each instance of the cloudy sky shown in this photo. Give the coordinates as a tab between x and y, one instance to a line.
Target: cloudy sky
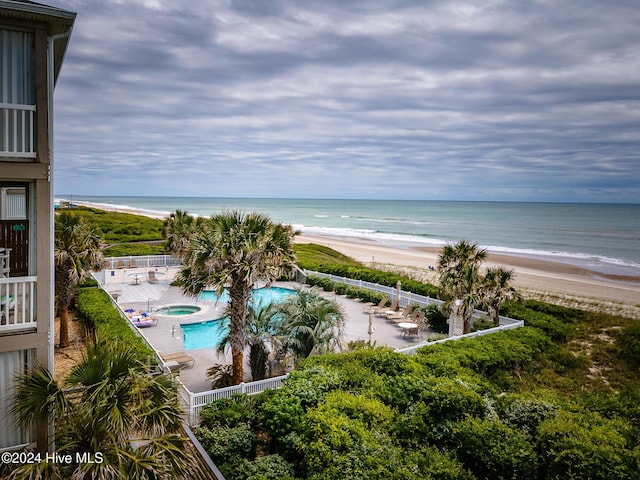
411	99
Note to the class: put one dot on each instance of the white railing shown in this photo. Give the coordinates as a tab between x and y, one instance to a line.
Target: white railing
17	130
408	298
143	261
17	303
195	401
413	349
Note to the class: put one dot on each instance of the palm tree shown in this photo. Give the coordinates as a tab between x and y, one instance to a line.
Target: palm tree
77	250
177	230
234	250
312	324
495	290
263	335
263	325
115	413
459	267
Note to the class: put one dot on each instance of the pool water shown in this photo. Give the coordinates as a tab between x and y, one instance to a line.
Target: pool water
178	310
209	334
204	334
260	295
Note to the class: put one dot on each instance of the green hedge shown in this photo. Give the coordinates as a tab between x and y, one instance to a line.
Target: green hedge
99	314
380	277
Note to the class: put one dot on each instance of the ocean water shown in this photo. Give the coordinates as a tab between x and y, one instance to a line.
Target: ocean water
602	237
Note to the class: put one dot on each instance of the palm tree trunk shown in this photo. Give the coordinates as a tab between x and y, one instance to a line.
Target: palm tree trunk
238	365
64	326
239	293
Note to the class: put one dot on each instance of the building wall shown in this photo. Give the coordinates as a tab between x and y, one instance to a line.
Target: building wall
25	80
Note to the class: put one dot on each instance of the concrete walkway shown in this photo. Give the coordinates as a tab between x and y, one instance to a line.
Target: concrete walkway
138	293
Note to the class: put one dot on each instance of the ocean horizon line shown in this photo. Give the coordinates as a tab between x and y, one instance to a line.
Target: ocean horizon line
69	197
380	222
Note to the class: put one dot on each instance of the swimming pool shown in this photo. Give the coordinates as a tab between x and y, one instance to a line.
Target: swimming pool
261	295
208	334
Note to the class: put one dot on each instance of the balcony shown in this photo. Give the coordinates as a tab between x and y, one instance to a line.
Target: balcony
17	131
17	304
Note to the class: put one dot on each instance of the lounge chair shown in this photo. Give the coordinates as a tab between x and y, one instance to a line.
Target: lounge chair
178	361
384	311
152	276
400	316
373	308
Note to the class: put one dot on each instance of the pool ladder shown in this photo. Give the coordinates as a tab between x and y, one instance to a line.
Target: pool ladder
176	329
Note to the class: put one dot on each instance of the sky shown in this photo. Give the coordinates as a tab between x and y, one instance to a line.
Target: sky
394	99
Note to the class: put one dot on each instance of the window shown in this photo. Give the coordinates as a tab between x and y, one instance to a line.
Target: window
17	94
12	364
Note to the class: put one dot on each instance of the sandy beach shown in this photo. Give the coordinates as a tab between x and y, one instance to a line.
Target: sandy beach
550	281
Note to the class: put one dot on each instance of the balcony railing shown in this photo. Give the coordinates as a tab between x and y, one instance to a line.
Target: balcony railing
17	131
17	304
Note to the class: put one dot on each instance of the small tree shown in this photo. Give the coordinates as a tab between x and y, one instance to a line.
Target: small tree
177	230
495	290
77	250
312	325
459	267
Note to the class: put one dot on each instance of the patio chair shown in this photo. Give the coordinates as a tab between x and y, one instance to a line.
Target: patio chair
152	276
178	361
381	312
401	316
373	308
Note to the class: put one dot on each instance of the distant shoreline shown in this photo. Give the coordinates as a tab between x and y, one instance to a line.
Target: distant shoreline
554	278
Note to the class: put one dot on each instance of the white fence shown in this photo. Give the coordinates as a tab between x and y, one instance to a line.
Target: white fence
143	261
408	298
195	401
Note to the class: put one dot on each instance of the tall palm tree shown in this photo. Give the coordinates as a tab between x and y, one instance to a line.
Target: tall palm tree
177	230
459	267
115	414
77	250
496	290
312	324
234	250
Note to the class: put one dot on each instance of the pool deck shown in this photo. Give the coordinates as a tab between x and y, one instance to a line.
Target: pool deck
166	337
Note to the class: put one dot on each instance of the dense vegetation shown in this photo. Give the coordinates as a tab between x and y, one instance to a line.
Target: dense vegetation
99	315
126	231
558	399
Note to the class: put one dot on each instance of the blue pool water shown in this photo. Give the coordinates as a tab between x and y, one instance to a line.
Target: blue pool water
261	295
204	334
209	334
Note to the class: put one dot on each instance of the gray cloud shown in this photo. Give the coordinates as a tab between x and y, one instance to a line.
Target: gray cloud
456	99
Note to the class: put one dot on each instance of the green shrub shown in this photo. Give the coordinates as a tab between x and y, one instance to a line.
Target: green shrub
240	409
628	342
438	322
483	323
583	446
133	249
99	314
340	288
268	467
222	443
555	328
492	450
526	414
